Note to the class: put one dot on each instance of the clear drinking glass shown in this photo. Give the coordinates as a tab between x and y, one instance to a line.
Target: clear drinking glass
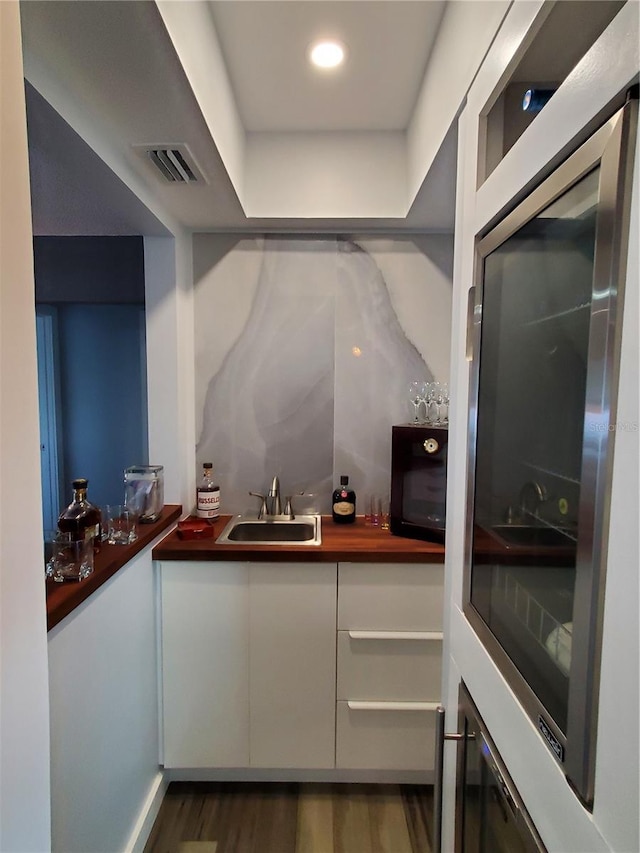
121	525
415	397
51	536
384	514
71	560
431	405
376	511
424	399
445	403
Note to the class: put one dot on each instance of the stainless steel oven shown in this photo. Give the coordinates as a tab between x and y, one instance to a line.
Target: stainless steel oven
542	425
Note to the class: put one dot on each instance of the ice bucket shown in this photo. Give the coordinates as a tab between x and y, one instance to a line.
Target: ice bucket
144	491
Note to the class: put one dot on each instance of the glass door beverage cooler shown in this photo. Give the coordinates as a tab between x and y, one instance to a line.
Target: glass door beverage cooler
490	816
546	324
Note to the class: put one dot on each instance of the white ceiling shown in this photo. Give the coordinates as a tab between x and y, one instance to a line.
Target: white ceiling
264	45
116	70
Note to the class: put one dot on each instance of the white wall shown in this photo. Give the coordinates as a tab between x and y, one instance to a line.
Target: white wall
170	363
104	714
25	808
190	27
332	175
466	32
560	818
168	273
24	703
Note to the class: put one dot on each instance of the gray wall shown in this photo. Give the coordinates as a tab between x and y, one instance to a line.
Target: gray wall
89	269
305	348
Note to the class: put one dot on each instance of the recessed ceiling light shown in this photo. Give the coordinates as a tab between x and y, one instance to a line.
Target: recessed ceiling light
327	54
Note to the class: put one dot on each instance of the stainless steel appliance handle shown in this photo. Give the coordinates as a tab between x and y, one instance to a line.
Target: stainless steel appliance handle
438	782
471	307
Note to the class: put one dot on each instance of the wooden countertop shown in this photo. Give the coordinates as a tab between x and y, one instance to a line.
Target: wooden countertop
347	542
62	598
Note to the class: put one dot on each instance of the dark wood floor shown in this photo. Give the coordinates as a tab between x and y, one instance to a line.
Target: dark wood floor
223	817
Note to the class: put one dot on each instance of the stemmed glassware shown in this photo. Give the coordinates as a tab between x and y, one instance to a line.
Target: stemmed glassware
434	397
430	402
445	403
424	395
416	397
438	400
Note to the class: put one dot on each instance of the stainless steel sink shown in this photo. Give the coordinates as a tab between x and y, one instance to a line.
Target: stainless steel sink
301	530
535	536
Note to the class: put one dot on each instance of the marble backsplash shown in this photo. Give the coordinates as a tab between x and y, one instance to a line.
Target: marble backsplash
305	348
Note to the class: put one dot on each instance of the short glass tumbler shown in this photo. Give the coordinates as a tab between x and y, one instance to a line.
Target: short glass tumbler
121	525
71	560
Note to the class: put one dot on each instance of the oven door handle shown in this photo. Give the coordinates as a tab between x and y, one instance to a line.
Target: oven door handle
438	782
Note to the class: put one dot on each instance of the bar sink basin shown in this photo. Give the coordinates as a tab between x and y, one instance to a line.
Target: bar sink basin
524	535
301	530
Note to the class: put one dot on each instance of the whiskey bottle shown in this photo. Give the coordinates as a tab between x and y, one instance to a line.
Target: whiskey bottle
81	518
343	504
208	495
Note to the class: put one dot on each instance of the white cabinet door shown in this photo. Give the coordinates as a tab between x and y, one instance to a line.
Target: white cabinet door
390	597
205	670
389	666
382	736
292	664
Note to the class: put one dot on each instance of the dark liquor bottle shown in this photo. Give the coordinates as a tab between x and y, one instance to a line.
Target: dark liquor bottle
81	518
343	504
208	495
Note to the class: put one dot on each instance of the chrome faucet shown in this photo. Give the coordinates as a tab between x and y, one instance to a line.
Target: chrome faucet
274	496
532	494
271	506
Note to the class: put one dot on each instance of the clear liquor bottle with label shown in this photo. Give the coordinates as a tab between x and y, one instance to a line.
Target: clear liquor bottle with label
343	504
81	518
208	495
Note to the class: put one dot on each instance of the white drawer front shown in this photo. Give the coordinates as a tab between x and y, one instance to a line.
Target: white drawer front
389	666
384	738
390	596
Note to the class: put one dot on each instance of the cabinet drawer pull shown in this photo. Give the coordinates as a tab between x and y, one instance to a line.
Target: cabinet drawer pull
395	635
392	706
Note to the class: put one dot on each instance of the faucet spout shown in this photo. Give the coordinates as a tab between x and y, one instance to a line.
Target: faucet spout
532	495
274	497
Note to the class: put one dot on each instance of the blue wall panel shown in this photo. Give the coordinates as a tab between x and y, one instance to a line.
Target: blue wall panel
103	384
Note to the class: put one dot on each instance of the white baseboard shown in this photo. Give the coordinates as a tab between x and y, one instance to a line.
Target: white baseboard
243	774
148	813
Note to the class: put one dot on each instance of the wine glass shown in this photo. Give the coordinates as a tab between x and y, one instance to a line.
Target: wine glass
439	401
424	396
415	398
431	403
445	402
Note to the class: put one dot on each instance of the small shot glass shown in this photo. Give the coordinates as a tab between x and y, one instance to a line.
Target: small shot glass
375	510
384	514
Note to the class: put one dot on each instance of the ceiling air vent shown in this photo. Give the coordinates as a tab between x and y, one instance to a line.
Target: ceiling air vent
174	162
